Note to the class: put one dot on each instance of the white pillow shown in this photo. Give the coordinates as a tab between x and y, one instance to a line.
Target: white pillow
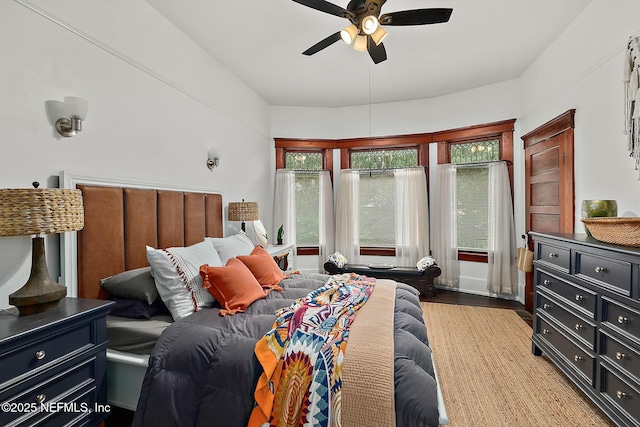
177	277
231	247
257	233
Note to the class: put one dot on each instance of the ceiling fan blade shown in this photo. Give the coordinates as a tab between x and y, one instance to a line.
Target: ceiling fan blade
322	44
416	17
377	52
325	6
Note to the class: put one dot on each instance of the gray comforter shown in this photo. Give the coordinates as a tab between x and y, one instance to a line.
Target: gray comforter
203	372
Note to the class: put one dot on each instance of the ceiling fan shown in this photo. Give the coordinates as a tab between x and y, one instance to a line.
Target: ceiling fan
365	31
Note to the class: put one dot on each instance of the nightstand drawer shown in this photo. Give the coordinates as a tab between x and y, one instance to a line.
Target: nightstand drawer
621	318
615	275
621	356
621	393
32	357
55	388
559	257
580	360
582	330
582	298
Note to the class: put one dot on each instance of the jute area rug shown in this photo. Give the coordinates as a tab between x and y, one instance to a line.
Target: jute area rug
489	377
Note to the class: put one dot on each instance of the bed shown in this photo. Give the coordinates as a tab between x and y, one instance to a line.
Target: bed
122	221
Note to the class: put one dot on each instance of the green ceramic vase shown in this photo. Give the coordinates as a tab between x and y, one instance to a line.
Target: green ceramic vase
598	208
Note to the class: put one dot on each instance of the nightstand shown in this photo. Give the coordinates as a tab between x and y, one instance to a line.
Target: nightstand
279	251
54	365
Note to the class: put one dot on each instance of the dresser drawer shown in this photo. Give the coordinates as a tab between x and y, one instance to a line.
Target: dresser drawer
581	298
54	388
33	356
622	394
582	330
621	318
612	274
81	406
555	255
581	361
619	355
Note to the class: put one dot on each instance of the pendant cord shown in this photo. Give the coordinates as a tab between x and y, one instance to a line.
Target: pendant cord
369	69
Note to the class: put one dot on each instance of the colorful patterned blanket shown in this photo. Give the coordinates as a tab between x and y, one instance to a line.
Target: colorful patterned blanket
303	353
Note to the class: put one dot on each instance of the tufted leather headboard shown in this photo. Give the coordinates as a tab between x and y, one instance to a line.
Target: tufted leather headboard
121	221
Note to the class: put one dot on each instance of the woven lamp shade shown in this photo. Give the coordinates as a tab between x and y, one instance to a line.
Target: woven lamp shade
26	211
243	211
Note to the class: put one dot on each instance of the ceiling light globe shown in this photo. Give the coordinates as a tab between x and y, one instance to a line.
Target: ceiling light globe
360	43
379	35
349	34
370	24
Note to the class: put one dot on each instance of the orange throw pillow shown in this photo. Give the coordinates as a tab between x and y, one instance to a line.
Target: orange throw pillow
233	286
263	267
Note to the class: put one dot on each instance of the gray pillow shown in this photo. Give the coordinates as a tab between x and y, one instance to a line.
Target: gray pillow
132	284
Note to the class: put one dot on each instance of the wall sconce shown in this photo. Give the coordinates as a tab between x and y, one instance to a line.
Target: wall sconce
212	160
69	115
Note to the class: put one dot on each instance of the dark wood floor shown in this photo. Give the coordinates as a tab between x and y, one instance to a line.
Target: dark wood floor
123	418
461	298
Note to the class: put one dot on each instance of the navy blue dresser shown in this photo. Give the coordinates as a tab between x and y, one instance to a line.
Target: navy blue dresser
587	318
53	365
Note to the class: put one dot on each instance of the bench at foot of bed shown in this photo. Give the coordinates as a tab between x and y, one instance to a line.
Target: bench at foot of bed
421	280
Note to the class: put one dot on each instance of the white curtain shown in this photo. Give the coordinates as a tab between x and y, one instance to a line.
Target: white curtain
326	231
285	206
347	211
412	216
501	277
445	250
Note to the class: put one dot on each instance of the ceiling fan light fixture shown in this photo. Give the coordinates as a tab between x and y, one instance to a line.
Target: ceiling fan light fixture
360	43
370	24
349	34
379	35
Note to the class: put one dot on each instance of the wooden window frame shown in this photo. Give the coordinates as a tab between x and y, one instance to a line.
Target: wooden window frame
503	132
285	145
419	141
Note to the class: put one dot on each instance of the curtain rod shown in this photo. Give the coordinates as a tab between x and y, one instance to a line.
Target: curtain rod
302	171
481	164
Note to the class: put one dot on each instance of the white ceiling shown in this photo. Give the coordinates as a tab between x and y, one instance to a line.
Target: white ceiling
261	41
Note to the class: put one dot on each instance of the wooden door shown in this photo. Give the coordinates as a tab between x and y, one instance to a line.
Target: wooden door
549	183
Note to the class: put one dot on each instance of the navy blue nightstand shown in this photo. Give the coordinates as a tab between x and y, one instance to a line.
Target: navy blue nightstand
54	365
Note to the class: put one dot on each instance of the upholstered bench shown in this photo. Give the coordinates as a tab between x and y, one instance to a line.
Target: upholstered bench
421	280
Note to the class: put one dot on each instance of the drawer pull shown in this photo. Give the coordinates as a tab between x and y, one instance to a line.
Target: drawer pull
577	358
546	331
621	394
601	270
578	326
546	282
40	354
622	319
620	356
546	306
552	255
579	297
41	398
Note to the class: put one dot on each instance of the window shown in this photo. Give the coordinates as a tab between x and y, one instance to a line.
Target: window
307	188
377	192
472	189
473	147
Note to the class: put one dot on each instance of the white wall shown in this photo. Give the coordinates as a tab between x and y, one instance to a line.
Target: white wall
583	69
157	103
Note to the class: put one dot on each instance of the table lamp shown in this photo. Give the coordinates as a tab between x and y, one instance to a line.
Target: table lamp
38	211
243	211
